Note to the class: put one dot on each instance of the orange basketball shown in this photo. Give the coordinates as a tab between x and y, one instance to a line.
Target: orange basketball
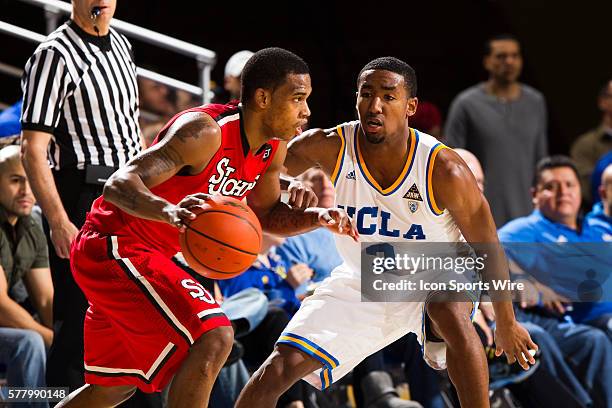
223	240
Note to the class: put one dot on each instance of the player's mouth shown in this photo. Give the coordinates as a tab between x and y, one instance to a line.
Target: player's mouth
373	125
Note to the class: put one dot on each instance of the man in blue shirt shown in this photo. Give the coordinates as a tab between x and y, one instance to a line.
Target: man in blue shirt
553	278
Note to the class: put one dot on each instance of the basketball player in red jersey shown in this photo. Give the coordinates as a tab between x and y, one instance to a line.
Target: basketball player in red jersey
148	319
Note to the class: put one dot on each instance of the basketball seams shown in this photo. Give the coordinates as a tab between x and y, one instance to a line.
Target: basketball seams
192	256
234	215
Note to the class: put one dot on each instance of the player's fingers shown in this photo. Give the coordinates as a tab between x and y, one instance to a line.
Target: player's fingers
498	351
313	200
510	358
325	216
202	196
532	345
528	354
299	198
521	358
558	306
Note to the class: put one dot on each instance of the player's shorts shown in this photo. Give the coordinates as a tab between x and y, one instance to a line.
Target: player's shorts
335	327
145	311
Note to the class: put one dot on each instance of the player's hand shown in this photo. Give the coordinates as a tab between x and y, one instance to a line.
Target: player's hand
178	214
62	235
298	274
301	195
514	341
337	221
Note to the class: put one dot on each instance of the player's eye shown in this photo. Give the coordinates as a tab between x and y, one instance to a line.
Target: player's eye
389	97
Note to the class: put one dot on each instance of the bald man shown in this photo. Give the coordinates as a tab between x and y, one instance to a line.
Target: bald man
474	165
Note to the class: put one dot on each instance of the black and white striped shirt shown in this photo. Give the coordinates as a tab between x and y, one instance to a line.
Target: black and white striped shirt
82	89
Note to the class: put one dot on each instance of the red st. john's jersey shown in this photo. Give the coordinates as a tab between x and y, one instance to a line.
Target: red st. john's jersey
232	171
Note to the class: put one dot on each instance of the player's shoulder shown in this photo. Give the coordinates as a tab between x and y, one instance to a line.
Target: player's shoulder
196	126
323	138
448	167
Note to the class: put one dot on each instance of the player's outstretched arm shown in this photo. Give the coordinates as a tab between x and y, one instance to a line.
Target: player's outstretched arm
455	189
313	148
279	218
188	146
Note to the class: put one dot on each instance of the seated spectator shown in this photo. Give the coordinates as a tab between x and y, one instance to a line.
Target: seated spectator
601	215
596	177
592	145
556	196
528	385
25	279
233	70
10	126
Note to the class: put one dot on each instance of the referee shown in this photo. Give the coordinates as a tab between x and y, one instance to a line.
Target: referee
79	123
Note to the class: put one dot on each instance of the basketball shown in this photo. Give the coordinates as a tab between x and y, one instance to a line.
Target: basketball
223	240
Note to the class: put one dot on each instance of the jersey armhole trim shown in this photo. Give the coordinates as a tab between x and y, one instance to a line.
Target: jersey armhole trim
340	159
429	175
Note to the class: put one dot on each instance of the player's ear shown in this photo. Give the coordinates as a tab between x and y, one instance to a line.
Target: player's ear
534	199
411	106
262	98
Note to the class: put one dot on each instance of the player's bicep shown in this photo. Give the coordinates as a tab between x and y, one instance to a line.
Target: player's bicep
456	189
313	148
189	143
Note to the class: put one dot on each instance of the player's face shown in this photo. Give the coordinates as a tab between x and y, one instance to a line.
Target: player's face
383	104
505	62
15	194
289	112
557	194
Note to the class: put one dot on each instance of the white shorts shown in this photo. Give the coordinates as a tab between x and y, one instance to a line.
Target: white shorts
339	330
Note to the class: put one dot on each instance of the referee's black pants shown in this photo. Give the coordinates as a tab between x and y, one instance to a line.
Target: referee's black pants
65	358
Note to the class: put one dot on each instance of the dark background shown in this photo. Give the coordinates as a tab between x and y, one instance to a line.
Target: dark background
567	48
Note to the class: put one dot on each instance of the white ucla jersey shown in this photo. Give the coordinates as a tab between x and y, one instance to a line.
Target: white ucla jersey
405	211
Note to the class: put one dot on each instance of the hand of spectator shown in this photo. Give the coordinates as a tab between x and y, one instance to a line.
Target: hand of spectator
551	300
301	195
218	295
62	236
514	341
529	296
177	214
298	274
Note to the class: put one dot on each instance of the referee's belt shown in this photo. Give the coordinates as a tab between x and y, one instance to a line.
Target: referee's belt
98	174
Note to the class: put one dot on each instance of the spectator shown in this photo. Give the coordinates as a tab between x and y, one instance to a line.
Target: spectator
474	166
23	261
428	119
503	122
596	177
9	123
233	70
587	349
602	211
592	145
79	124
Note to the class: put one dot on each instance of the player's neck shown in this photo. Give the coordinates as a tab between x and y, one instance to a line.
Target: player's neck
507	91
255	132
389	151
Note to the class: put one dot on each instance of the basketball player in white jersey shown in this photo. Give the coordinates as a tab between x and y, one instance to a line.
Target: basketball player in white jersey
398	185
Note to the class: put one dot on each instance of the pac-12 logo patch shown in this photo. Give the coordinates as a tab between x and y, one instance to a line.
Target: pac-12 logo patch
413	206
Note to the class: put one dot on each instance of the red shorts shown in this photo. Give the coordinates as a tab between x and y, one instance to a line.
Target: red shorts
145	311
